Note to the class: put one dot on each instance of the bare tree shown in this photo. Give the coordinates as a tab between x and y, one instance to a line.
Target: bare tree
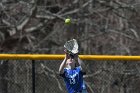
100	26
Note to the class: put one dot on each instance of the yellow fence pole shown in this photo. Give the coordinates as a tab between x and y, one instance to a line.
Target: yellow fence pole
61	56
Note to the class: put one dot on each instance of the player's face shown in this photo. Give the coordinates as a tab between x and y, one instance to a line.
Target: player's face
71	62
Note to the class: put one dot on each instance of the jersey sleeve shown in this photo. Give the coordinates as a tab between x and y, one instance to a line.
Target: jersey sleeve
80	70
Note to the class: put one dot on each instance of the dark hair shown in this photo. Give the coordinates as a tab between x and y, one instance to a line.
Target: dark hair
72	55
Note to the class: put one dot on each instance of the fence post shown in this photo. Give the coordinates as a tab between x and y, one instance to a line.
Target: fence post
33	76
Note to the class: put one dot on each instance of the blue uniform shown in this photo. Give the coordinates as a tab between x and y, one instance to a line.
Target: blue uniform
74	80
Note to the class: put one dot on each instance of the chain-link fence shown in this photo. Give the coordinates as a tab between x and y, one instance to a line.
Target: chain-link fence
16	76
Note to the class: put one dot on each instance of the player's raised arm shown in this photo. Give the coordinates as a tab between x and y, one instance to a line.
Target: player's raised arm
81	63
63	64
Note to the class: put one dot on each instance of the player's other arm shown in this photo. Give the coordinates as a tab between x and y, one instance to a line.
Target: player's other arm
81	63
63	64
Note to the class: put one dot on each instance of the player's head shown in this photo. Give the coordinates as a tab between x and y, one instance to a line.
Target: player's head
71	61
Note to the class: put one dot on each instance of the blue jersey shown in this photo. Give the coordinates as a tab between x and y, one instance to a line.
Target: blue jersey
73	79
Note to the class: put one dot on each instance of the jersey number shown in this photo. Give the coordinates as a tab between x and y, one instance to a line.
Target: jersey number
72	81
